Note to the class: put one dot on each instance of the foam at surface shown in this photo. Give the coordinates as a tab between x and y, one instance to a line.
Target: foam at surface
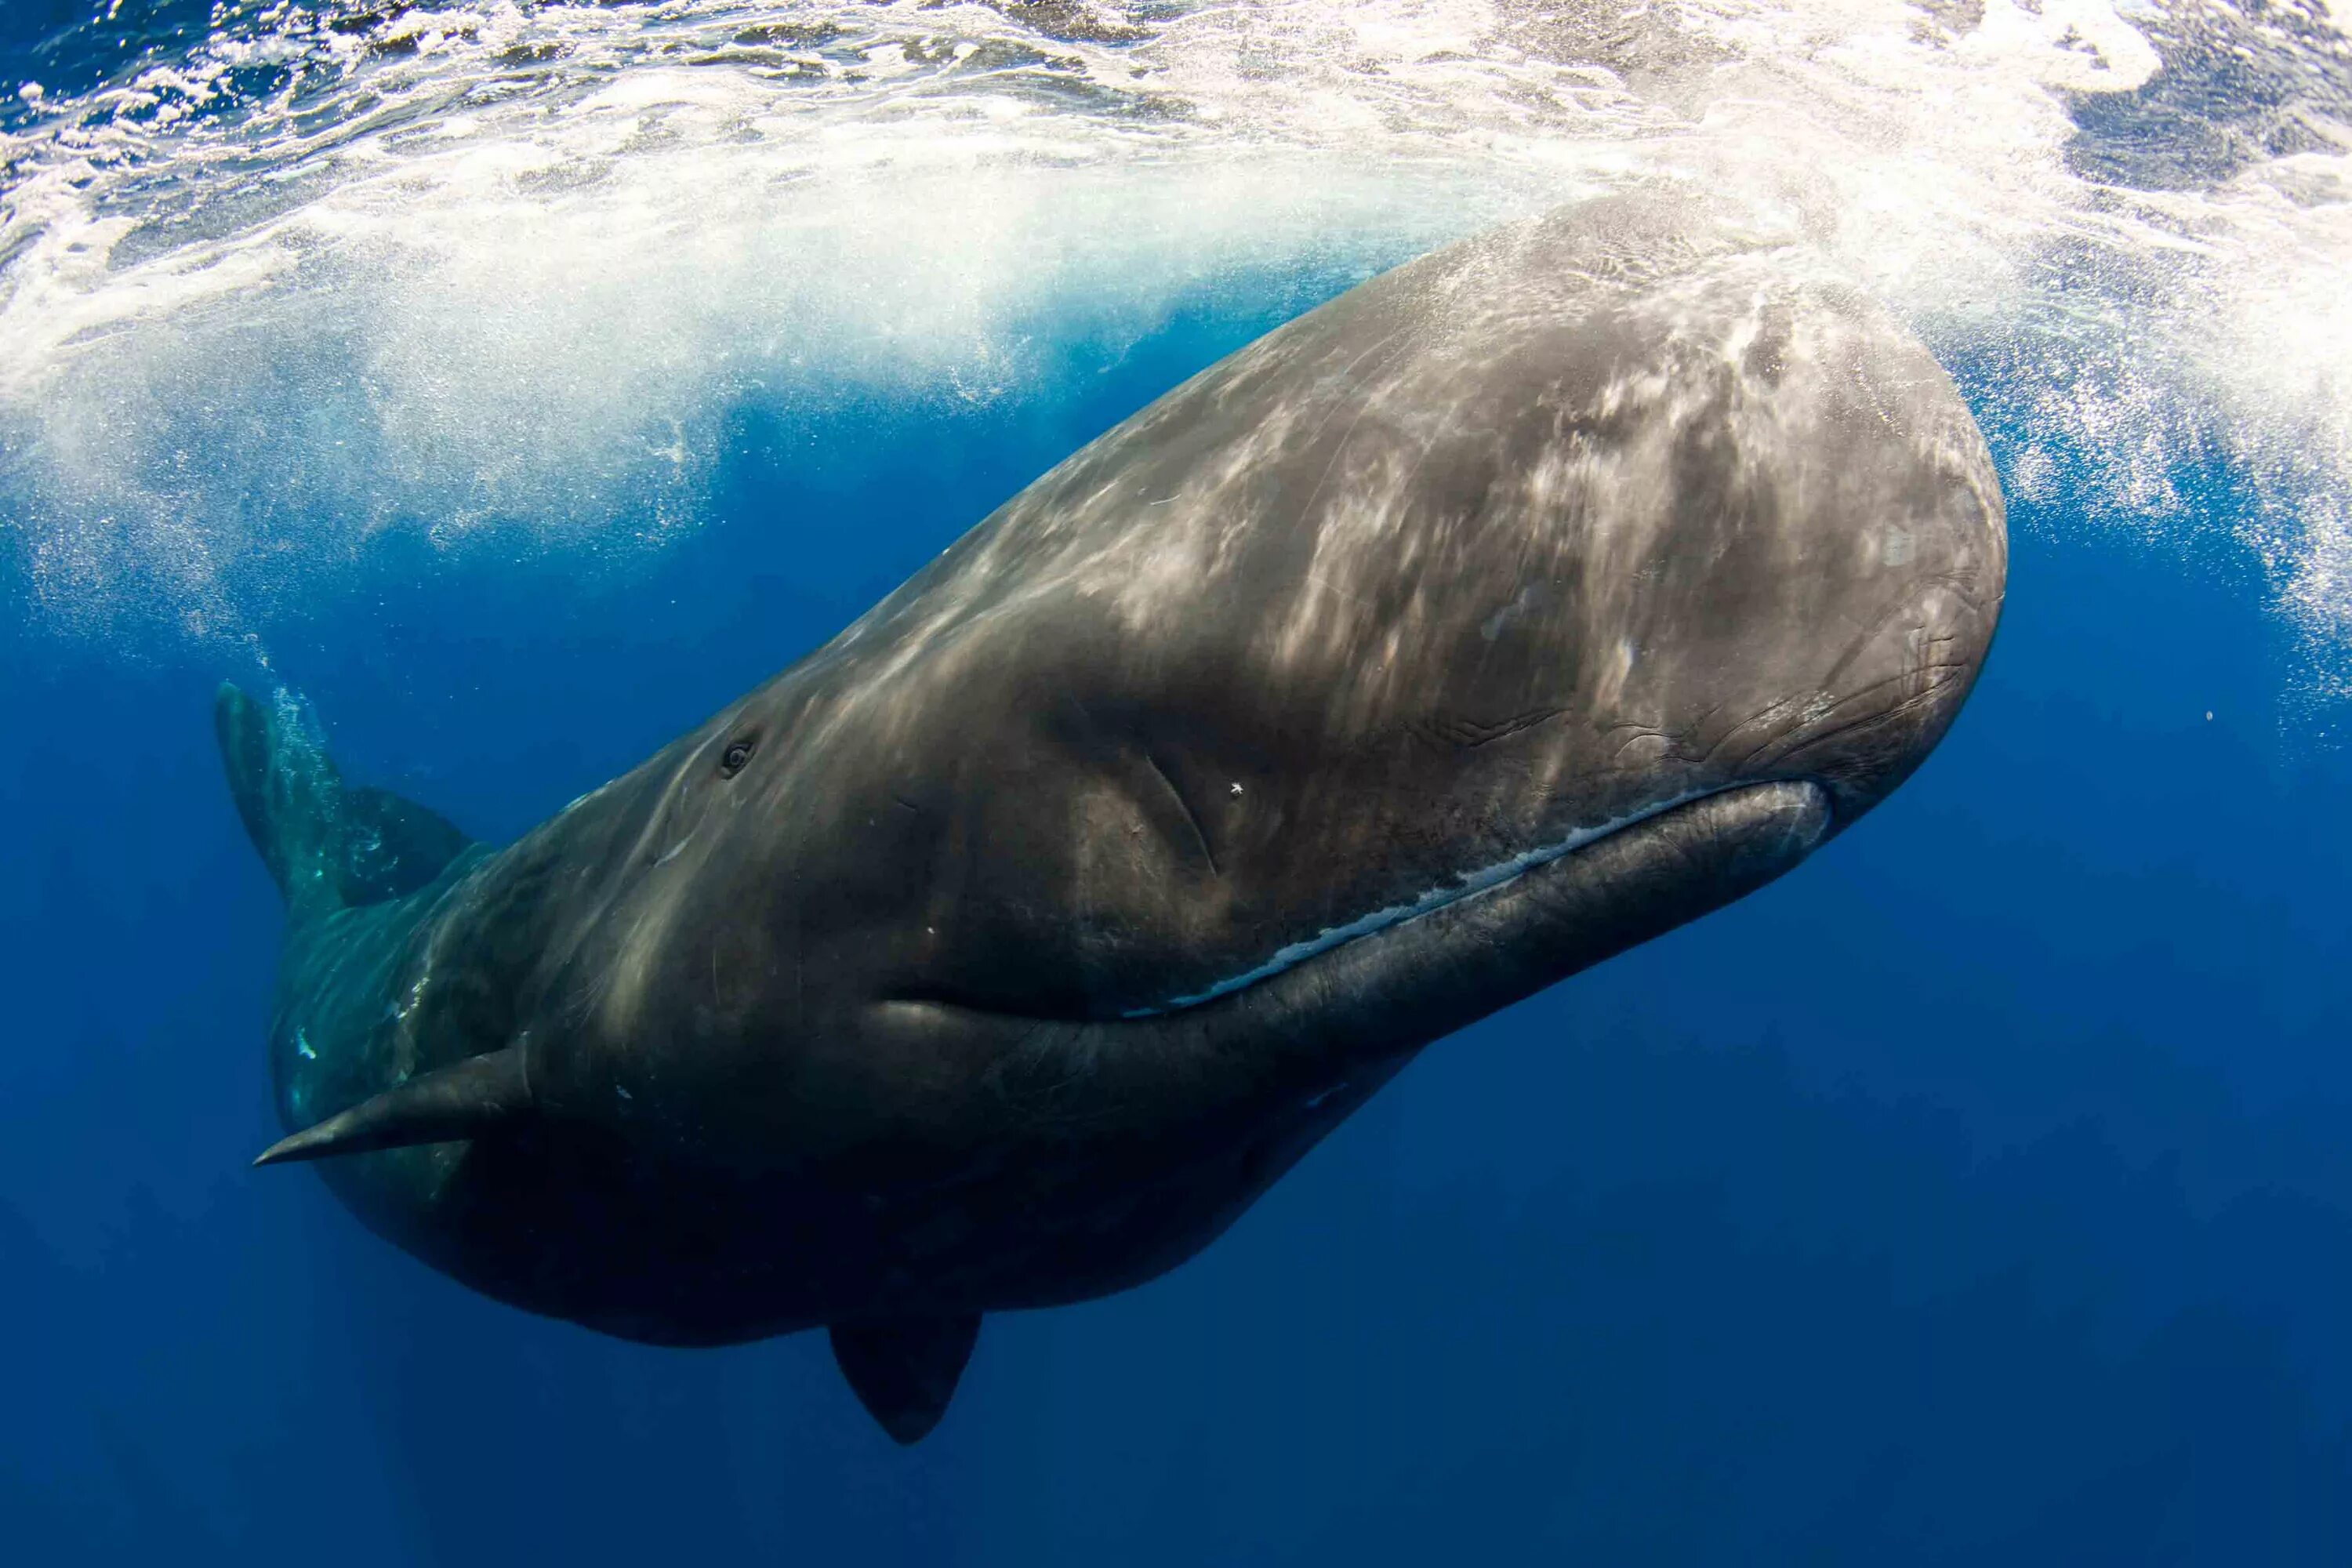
491	266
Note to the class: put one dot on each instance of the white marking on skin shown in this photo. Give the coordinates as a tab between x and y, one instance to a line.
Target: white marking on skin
1237	788
401	1010
302	1046
1468	885
674	851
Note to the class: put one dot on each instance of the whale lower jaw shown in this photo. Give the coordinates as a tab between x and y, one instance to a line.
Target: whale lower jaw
1442	967
1401	978
1469	885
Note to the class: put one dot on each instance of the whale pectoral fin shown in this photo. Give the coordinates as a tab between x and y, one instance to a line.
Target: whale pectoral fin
465	1099
905	1370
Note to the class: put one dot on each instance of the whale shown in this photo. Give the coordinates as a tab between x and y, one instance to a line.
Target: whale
1515	607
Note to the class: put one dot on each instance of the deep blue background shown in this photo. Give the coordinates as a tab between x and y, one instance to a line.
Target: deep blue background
1979	1194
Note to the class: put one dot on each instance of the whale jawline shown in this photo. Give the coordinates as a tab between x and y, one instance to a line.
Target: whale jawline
1487	883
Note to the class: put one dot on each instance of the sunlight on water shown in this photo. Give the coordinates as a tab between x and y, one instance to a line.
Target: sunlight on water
339	268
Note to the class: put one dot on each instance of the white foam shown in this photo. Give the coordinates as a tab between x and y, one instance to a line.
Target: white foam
516	277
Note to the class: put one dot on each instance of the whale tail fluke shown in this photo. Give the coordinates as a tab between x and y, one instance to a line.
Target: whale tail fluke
328	845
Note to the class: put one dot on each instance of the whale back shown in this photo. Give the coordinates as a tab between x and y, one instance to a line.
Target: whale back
329	845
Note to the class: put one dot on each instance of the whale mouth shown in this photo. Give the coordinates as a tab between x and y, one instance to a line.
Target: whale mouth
1533	919
1468	885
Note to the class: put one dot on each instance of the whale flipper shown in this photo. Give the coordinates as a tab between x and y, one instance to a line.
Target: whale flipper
465	1099
328	845
905	1370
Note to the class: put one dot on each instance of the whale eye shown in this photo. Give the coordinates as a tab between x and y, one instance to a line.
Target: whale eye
738	752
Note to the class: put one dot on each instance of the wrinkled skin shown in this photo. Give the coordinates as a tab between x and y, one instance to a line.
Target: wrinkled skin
1588	574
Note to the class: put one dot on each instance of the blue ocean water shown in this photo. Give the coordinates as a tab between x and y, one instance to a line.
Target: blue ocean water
1980	1193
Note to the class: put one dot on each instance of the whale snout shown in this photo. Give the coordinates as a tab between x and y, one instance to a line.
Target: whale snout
1820	567
1887	700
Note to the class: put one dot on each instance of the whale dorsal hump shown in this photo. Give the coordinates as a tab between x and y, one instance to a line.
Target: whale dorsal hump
905	1370
480	1095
